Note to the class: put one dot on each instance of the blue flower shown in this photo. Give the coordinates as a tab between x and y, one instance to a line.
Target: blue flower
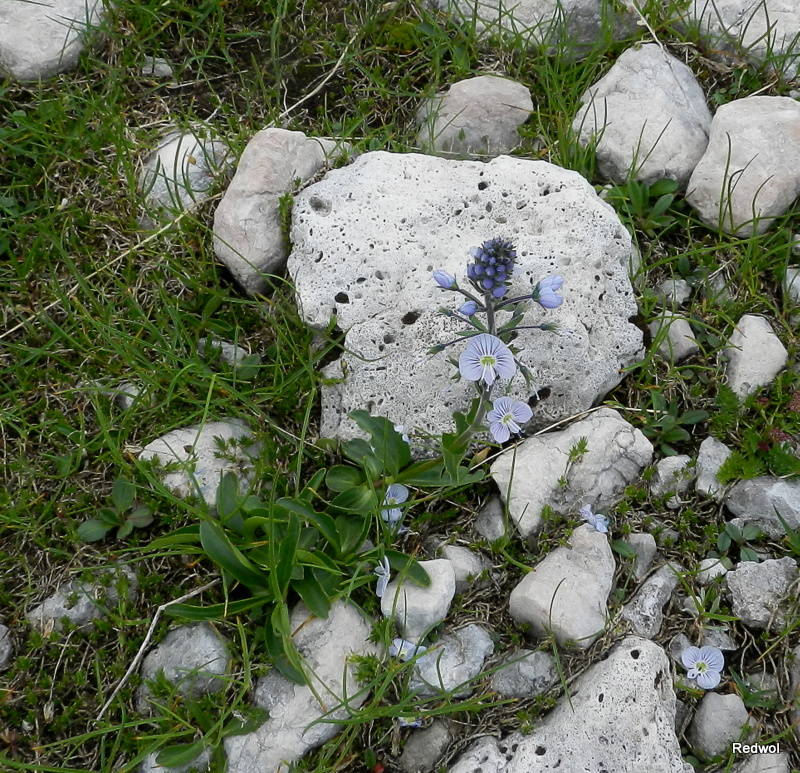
396	494
545	292
704	665
599	521
405	649
384	573
493	267
485	359
410	721
401	430
468	308
444	280
506	417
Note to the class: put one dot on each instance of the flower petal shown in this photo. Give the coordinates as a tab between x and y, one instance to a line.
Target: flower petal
689	658
713	658
709	680
500	431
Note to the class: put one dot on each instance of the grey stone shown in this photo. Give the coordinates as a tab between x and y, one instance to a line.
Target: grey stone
180	173
416	609
491	520
673	475
755	354
484	755
615	455
756	501
683	715
710	569
6	645
233	354
718	722
199	764
649	117
644	546
424	748
794	690
39	40
620	718
765	762
327	648
749	173
248	227
467	566
674	292
791	285
758	592
81	602
674	337
194	658
455	660
476	117
645	611
378	228
678	644
126	395
156	67
715	637
567	591
524	674
710	458
196	457
764	683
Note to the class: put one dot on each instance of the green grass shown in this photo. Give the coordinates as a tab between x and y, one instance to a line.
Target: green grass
90	300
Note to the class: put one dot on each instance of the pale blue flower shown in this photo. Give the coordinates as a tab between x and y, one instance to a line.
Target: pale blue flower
396	494
507	416
444	280
401	430
468	308
384	573
485	359
410	721
599	521
704	665
545	292
405	649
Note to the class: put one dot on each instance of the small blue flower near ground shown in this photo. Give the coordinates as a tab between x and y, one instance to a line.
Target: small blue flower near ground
599	521
444	280
409	722
399	428
405	649
506	417
396	494
704	665
384	573
545	292
486	358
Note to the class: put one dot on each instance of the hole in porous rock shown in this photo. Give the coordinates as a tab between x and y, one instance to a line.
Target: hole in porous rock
522	204
600	697
540	750
635	654
458	211
545	191
557	764
370	405
543	394
341	298
489	206
388	339
318	258
410	318
483	185
379	275
320	205
361	280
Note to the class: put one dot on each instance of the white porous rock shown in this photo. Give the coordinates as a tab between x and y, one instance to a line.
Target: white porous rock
39	40
615	455
327	648
524	674
416	609
762	500
710	457
567	591
467	566
573	27
180	173
81	602
674	292
486	754
674	337
645	611
751	168
760	592
718	722
761	31
476	117
709	570
248	228
765	762
451	665
644	547
794	689
755	354
649	117
195	461
673	475
368	237
620	718
194	658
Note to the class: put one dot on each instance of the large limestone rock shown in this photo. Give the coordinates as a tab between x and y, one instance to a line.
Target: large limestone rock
41	39
327	647
649	115
368	237
248	226
749	171
530	476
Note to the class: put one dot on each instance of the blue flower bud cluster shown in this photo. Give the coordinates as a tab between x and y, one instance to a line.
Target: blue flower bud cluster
492	268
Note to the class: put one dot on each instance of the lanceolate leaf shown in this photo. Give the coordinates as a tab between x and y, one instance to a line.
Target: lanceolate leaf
223	553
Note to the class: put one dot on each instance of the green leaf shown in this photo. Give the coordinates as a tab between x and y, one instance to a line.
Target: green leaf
228	499
733	531
123	494
748	554
141	517
723	542
623	548
322	521
277	637
186	535
109	516
352	532
91	531
286	555
180	754
216	611
751	532
695	417
341	477
359	500
663	187
388	446
407	566
358	451
312	594
223	553
254	718
124	530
